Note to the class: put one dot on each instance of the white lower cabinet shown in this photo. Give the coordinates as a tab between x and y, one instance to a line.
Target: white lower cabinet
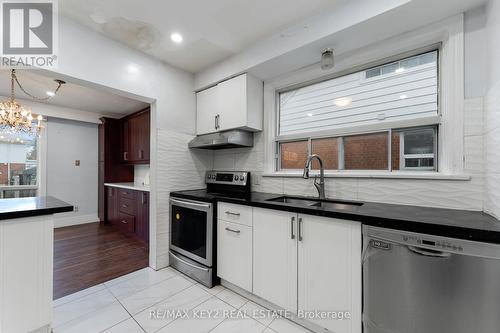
329	273
234	253
275	257
309	265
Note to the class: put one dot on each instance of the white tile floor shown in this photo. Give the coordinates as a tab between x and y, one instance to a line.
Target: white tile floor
125	305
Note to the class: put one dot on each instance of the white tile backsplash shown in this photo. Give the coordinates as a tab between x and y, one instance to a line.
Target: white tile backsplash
141	174
492	151
434	193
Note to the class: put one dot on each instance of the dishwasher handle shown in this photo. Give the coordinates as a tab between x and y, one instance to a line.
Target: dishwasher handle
428	253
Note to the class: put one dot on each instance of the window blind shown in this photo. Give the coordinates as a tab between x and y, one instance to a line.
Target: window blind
405	89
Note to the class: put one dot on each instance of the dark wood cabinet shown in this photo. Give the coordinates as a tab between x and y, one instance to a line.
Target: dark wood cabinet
128	210
110	168
112	205
136	138
142	228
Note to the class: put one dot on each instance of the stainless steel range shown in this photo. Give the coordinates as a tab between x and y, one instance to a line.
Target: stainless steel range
193	216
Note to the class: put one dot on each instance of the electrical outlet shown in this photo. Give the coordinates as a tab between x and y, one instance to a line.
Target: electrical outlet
75	208
77	162
256	179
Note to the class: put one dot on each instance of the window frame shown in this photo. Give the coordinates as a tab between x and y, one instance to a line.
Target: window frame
351	131
449	34
403	156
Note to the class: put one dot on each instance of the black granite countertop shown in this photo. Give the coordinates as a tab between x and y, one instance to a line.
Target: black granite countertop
452	223
27	207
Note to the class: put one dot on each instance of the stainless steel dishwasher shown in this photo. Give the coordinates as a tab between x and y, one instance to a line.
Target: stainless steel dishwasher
416	283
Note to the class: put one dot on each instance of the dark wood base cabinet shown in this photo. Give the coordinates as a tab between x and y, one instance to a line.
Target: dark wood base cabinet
128	210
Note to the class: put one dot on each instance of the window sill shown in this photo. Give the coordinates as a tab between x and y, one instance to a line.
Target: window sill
373	175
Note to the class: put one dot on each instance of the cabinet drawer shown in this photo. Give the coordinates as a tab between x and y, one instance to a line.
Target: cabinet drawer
126	223
235	213
234	254
126	193
127	206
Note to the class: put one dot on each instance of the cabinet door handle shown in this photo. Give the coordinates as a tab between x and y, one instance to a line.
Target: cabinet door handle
143	198
292	220
300	229
232	230
215	122
231	213
124	206
123	221
141	154
125	156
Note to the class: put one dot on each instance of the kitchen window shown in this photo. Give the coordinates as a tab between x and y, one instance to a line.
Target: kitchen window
18	164
384	117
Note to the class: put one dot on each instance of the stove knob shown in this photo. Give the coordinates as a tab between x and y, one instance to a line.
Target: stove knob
236	177
242	178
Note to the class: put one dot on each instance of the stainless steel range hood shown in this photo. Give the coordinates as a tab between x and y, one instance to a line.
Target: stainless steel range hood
223	140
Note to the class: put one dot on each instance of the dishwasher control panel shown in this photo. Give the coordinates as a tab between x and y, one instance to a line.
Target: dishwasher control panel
427	241
384	239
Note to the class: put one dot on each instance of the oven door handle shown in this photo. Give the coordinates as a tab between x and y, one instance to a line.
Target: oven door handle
190	203
188	263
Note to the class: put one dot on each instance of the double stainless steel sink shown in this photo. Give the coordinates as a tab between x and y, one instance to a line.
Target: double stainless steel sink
312	202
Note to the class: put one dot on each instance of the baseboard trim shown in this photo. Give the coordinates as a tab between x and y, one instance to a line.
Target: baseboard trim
66	221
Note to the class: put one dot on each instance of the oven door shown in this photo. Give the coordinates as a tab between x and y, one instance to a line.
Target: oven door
191	229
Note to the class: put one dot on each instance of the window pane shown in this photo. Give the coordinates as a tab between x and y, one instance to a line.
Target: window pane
389	69
419	142
293	154
4	174
327	149
366	152
351	100
418	152
19	193
419	162
372	73
18	158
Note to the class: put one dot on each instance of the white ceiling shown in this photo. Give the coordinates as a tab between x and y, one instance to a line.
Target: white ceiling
212	30
70	95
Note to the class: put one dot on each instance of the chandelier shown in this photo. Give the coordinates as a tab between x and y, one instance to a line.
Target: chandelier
17	118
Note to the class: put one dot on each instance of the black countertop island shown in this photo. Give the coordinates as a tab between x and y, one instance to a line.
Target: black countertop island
28	207
462	224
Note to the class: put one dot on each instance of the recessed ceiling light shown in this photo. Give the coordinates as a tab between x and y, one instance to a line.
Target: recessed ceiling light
400	70
176	37
403	96
309	114
50	93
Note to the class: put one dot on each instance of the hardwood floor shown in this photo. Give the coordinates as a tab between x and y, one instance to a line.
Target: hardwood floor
88	254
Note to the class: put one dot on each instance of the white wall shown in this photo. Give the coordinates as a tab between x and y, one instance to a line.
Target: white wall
458	194
68	141
492	111
91	59
475	53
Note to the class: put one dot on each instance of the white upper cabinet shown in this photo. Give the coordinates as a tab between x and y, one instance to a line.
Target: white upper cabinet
206	106
233	104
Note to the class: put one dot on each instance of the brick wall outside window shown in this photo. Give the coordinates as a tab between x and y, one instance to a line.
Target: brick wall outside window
366	152
327	149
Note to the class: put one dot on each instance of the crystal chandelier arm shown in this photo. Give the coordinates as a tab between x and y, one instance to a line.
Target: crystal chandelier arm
59	84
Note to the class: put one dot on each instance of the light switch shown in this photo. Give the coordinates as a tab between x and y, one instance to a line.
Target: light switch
77	162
